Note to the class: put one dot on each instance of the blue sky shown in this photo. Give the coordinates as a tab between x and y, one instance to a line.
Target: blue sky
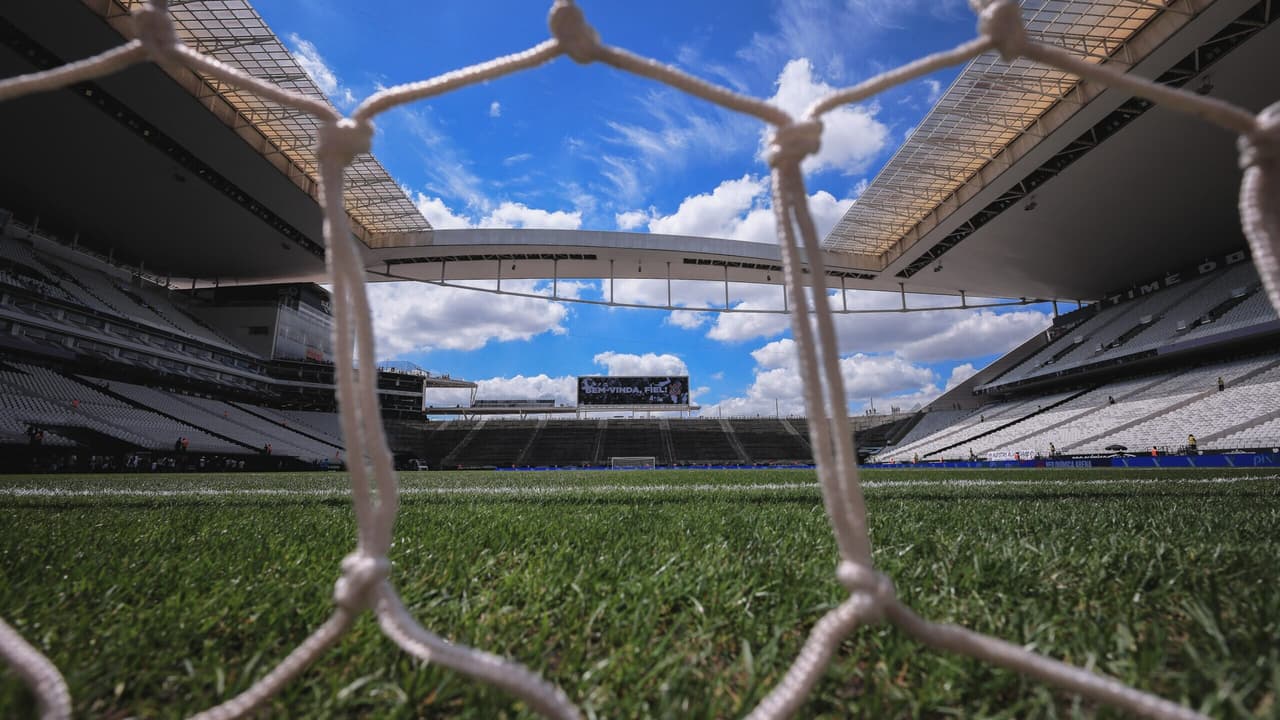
588	147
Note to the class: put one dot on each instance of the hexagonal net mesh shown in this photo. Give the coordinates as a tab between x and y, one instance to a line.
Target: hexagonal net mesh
364	583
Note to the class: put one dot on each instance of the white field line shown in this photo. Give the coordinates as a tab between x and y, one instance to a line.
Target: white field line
578	490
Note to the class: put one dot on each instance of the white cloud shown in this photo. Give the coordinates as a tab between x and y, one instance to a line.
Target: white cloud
871	376
314	65
624	364
926	336
495	109
827	210
892	13
851	136
819	29
410	316
676	130
646	142
684	293
883	354
960	373
777	354
885	379
961	334
737	327
439	214
506	215
825	29
570	289
584	201
622	173
691	59
563	389
518	215
446	167
455	197
631	219
935	90
688	319
715	214
735	209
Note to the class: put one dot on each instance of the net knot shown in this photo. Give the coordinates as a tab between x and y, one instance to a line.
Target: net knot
1001	22
579	40
1262	147
154	28
863	580
361	575
343	139
794	142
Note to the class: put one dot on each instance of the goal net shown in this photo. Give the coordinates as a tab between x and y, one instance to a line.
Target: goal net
633	463
364	582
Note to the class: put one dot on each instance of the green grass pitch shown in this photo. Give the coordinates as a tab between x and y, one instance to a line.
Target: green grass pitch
647	594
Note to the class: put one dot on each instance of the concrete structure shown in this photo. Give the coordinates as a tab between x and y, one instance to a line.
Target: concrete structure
1033	211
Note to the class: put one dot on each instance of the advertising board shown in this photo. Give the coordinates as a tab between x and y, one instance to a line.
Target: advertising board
610	390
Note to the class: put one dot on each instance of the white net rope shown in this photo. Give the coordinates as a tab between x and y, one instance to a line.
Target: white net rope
364	584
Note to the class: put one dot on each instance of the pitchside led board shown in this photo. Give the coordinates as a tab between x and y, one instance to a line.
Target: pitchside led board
600	390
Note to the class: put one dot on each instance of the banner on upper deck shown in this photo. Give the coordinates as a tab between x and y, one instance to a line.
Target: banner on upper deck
608	390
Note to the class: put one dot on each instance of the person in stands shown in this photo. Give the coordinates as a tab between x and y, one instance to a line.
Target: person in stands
1221	385
1053	451
1191	444
1154	451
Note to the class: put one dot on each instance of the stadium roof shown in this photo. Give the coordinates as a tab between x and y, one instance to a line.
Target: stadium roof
233	32
990	105
1110	191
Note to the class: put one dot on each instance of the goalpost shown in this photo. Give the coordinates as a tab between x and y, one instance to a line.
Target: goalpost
364	584
627	462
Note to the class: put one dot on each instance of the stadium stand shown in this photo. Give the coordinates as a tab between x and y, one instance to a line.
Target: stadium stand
38	396
1213	305
1135	413
555	442
493	443
103	288
986	420
932	422
112	325
634	438
1026	434
564	443
1264	435
444	439
71	320
705	441
770	441
1254	389
324	426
